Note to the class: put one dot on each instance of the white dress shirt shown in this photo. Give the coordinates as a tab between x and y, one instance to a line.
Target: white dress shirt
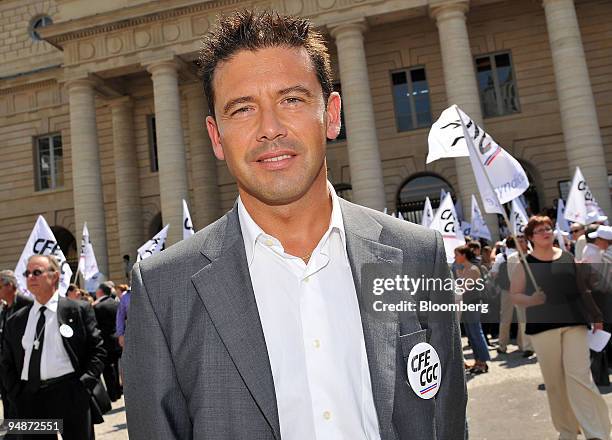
592	254
54	361
312	327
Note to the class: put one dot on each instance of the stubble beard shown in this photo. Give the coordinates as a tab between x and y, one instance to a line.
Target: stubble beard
284	186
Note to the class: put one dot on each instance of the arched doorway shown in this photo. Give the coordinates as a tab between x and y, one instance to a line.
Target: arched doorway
410	199
156	225
67	244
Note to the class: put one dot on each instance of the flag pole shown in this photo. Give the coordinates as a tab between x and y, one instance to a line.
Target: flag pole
504	215
76	277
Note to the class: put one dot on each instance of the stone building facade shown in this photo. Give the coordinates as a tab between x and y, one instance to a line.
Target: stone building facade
101	112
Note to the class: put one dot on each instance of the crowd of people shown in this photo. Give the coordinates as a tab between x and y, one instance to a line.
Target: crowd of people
556	293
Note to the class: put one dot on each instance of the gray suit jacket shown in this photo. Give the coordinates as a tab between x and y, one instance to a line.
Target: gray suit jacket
196	363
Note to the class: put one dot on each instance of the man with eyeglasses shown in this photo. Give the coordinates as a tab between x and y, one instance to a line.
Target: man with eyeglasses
11	300
52	354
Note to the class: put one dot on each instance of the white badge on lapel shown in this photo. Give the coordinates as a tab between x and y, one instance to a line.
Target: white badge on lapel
424	370
66	331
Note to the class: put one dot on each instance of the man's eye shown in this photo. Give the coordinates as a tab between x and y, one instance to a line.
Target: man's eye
293	100
241	110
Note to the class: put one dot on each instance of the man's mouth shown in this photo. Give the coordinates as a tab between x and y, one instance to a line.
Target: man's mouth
276	158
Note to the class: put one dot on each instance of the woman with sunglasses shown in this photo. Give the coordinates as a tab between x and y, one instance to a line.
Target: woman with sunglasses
557	325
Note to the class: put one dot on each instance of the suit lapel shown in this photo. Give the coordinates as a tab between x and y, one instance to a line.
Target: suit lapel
65	316
20	327
362	236
224	285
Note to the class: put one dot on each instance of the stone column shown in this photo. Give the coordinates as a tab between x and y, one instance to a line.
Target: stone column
203	162
461	87
362	142
127	183
86	176
583	144
173	186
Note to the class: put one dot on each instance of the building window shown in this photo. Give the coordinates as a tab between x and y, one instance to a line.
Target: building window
37	23
496	85
342	135
49	162
152	143
411	99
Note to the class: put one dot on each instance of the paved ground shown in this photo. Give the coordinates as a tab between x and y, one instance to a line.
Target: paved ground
504	404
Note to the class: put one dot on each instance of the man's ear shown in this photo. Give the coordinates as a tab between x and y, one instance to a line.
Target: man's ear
215	137
334	105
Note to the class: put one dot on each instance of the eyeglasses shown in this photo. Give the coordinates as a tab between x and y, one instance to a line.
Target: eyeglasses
542	231
35	272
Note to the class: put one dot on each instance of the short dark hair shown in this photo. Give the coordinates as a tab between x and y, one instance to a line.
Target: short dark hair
105	288
467	251
590	229
473	244
251	30
510	243
536	221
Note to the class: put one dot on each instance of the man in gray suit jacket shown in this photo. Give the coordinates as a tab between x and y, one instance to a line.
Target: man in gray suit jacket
263	325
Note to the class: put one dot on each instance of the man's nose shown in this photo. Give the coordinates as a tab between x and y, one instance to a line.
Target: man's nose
271	126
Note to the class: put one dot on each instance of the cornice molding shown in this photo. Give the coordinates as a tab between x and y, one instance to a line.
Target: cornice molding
59	33
42	84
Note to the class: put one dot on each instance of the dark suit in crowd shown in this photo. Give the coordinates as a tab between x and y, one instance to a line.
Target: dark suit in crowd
8	311
105	309
66	397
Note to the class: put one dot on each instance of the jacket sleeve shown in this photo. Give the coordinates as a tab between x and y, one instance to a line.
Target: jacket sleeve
155	404
121	312
8	366
451	399
92	368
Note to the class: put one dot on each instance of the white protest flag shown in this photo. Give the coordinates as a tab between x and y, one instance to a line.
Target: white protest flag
562	224
518	217
442	194
560	239
446	222
580	200
428	213
187	223
449	137
479	225
154	245
459	210
466	228
43	242
88	266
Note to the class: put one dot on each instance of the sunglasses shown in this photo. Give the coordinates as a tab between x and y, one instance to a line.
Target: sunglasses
35	273
542	231
573	231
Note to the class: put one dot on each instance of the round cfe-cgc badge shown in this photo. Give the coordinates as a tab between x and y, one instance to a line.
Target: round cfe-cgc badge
424	370
66	331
